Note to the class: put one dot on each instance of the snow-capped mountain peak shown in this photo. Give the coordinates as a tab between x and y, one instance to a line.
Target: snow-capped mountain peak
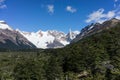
48	39
44	39
71	35
96	28
3	25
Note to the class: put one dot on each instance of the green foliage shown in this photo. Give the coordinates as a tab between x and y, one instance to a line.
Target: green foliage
27	70
96	57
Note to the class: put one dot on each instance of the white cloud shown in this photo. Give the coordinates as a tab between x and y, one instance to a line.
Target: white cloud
110	14
116	0
50	8
71	9
2	5
116	3
100	16
96	16
1	1
118	15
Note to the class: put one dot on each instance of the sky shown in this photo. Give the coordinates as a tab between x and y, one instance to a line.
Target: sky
61	15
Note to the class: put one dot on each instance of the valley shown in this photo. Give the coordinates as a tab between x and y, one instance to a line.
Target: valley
93	57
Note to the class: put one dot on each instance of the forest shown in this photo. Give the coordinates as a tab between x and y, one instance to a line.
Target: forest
96	57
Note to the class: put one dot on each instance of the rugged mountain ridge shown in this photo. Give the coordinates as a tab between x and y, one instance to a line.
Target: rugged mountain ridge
96	28
41	39
11	39
96	57
50	38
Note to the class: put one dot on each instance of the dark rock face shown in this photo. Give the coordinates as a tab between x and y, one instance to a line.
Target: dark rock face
95	28
11	39
55	44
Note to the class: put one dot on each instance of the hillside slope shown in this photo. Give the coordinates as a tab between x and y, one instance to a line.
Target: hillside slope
98	55
95	57
96	28
11	39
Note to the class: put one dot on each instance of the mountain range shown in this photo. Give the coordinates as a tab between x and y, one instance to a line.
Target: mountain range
40	39
94	54
50	38
17	39
12	39
96	28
